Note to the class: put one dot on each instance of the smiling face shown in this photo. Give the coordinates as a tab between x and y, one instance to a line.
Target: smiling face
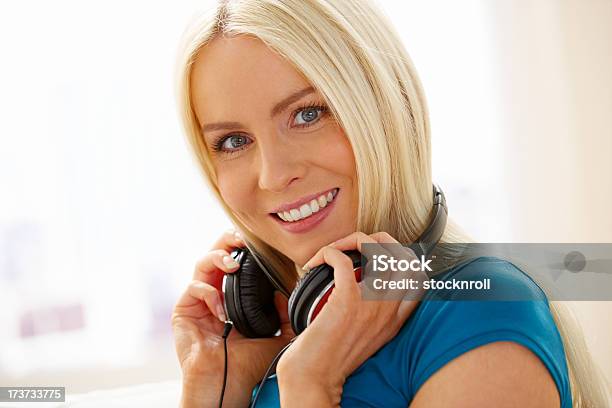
283	164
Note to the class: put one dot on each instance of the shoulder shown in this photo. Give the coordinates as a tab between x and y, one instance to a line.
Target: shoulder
495	374
484	334
504	281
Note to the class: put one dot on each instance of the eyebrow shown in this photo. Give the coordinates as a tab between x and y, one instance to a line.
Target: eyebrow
278	108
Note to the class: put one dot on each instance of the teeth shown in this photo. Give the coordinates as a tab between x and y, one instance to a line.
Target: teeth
306	210
322	201
314	206
295	214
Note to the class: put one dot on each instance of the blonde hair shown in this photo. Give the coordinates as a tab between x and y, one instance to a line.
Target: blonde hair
351	55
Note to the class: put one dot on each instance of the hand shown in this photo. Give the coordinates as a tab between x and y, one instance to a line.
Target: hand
347	331
198	322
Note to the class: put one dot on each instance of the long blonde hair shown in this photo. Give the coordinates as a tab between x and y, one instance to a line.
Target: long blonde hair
351	54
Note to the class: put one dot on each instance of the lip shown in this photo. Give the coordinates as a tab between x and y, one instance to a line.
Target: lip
307	224
301	201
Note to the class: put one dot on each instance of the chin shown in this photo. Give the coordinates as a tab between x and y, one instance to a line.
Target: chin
305	255
300	255
299	258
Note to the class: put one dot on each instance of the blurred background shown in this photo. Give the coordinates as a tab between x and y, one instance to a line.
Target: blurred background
103	212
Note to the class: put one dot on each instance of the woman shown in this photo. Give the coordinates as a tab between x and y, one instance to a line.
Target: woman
286	102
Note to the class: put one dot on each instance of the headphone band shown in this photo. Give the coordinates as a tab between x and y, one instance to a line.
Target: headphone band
427	241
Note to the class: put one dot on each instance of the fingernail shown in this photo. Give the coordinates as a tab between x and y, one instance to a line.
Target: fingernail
305	268
238	236
230	262
387	240
221	312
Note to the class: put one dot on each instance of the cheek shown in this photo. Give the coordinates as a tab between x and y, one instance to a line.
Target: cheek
339	156
234	190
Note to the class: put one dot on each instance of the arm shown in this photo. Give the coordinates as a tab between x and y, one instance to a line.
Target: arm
198	322
306	392
500	374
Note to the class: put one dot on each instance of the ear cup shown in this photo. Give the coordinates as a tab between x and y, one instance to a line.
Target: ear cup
304	294
311	292
249	298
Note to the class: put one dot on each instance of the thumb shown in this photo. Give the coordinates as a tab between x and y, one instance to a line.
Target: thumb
282	306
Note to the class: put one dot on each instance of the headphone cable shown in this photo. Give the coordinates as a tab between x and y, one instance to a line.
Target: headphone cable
226	331
265	377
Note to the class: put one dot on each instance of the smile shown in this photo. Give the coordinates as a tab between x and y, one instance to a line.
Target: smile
305	214
308	209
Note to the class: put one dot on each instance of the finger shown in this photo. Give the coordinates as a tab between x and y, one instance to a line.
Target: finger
352	241
399	252
384	237
211	267
388	246
356	239
344	277
198	292
229	240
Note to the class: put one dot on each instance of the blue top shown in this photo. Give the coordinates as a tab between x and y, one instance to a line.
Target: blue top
441	330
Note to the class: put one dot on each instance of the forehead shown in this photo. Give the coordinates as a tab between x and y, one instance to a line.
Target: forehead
238	75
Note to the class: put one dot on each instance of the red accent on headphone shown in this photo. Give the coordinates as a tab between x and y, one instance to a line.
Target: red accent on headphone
323	300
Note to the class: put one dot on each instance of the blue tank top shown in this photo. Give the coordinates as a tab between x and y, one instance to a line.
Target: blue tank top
439	331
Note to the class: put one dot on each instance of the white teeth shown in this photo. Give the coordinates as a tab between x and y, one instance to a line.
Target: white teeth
295	214
322	201
306	210
314	206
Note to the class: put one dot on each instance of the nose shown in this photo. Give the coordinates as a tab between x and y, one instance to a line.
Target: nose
280	165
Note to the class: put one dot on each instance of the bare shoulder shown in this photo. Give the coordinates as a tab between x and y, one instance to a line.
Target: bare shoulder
500	374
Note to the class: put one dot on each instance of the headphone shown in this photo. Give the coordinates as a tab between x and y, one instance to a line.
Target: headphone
249	292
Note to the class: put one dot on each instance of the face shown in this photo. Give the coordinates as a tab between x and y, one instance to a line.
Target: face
284	166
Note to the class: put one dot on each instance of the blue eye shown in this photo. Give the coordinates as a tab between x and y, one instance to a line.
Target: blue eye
303	117
231	143
309	115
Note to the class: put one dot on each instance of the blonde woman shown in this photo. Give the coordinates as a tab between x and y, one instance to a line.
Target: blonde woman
285	101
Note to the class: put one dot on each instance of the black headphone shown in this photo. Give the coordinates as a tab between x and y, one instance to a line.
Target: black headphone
249	292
